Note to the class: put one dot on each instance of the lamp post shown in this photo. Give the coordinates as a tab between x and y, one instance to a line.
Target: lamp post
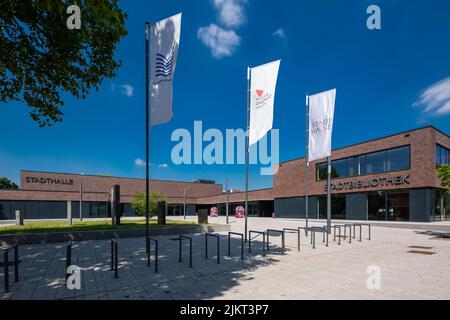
81	196
184	203
228	200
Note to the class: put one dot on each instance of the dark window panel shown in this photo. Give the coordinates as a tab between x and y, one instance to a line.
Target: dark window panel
376	162
398	159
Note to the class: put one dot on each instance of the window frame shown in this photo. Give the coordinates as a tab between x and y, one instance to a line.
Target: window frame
364	156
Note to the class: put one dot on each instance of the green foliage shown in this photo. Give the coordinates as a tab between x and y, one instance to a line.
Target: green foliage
7	184
138	202
41	59
443	171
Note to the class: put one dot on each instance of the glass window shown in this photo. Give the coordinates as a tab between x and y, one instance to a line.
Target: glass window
442	155
398	159
352	166
339	169
376	162
362	165
322	172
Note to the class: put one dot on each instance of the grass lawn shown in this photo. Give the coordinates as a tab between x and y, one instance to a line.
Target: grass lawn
62	226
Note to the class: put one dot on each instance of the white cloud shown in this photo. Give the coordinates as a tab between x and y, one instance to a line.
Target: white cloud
139	162
163	166
222	42
231	12
279	33
435	100
127	90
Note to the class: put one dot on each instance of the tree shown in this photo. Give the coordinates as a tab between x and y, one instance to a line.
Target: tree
41	59
138	202
443	171
7	184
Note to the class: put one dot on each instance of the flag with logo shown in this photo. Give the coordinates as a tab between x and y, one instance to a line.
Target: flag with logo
262	98
321	116
164	42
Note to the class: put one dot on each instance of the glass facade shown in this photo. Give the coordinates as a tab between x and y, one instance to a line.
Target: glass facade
338	207
441	207
372	163
388	205
442	155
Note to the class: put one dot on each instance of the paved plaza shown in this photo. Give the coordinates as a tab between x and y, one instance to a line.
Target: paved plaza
334	272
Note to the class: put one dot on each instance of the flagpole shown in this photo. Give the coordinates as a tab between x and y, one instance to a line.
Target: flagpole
247	147
307	162
329	195
147	134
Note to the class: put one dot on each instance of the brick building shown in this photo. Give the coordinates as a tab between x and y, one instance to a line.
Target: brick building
391	178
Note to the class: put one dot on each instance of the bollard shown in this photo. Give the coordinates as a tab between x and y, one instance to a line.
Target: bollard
19	218
69	212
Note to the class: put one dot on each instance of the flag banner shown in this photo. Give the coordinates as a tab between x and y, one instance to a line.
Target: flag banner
321	116
262	98
164	42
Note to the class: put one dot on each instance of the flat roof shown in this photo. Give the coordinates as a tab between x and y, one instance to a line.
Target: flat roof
114	177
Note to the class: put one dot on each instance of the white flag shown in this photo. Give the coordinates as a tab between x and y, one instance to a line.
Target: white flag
164	41
321	116
262	98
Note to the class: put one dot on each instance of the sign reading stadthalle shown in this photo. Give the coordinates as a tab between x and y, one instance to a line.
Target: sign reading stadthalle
55	181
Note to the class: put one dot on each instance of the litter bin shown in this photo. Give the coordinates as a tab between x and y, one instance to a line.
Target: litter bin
203	216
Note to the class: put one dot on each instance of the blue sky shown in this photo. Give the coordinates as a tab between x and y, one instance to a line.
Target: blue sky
387	80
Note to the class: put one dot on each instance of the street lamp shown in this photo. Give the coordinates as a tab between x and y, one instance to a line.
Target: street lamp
184	203
81	196
228	199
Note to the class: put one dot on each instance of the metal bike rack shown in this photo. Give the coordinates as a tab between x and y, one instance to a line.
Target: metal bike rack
115	258
288	230
258	233
6	265
207	235
360	225
242	243
181	239
68	257
150	240
349	226
337	227
314	230
269	231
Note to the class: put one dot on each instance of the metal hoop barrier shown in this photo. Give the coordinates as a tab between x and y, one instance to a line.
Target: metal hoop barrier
269	231
349	226
314	230
68	257
258	234
6	266
337	227
207	235
361	225
242	243
181	239
150	240
115	258
287	230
